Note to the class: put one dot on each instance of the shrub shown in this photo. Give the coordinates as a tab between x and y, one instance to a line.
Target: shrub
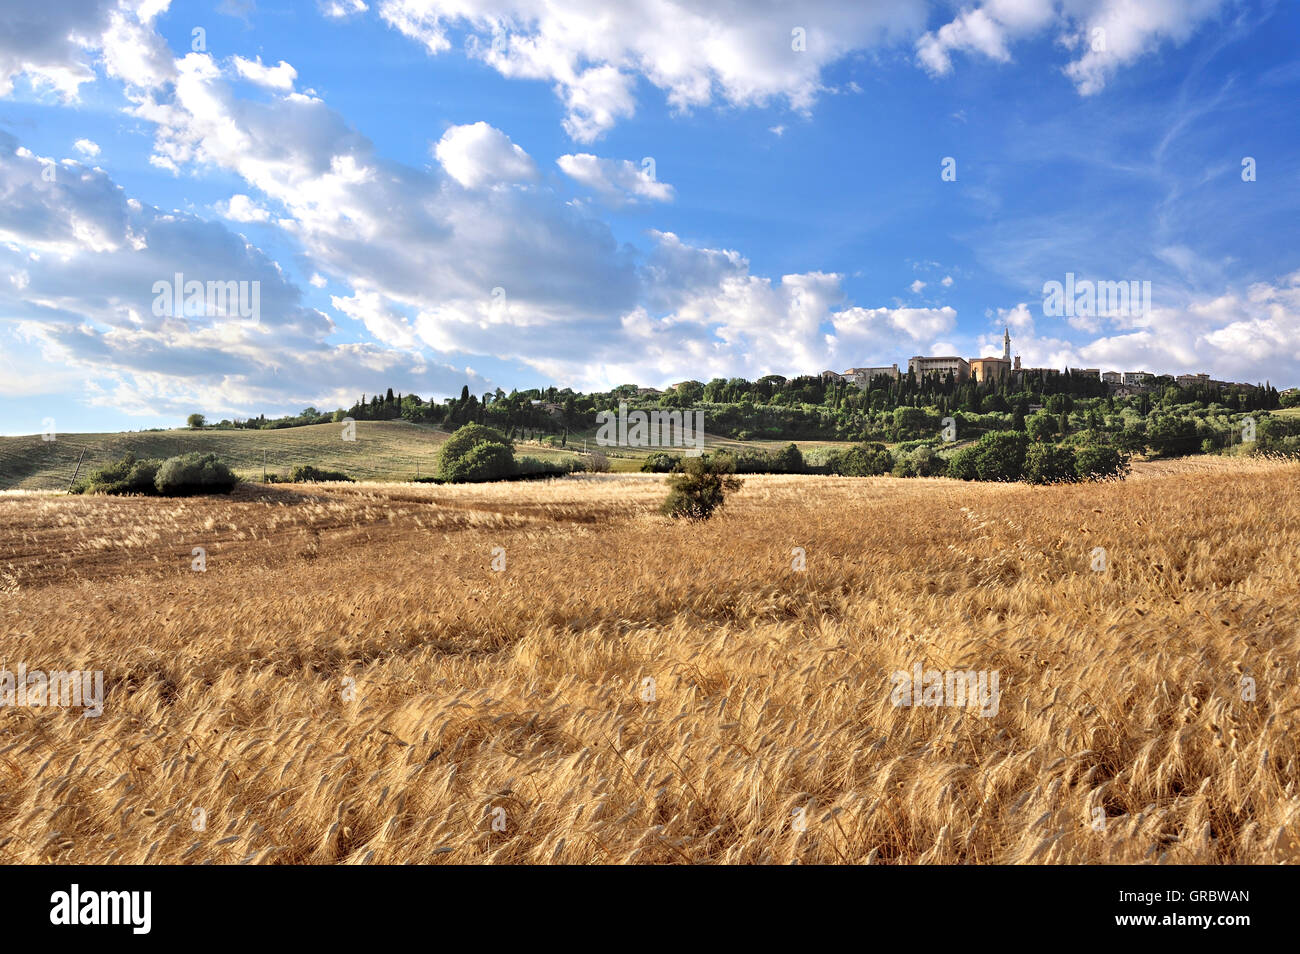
305	473
1001	455
485	461
861	460
1099	462
748	460
661	463
1172	436
1042	427
910	422
1049	464
922	462
538	467
961	465
462	443
598	463
701	488
788	460
194	474
124	476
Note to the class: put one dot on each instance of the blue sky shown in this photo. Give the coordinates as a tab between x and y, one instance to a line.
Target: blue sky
533	192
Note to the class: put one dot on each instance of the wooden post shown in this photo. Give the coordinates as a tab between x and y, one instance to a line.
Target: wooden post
77	471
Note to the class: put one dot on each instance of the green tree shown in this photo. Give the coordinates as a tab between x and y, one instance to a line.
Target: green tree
1100	462
1018	418
1049	464
1041	427
196	421
788	460
1000	455
701	488
461	443
485	461
961	465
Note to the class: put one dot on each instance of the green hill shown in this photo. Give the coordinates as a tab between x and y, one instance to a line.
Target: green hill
383	450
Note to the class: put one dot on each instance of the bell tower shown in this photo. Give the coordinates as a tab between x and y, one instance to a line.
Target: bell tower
1006	344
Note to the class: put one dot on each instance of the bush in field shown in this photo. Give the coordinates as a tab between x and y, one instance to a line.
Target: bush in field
1001	455
452	464
961	465
1100	462
597	462
860	460
788	460
701	488
922	462
305	474
538	467
661	463
124	476
194	474
486	461
1049	464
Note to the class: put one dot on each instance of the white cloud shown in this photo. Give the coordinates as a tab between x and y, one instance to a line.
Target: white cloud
89	259
619	181
86	147
693	50
339	9
947	281
478	154
917	286
281	76
240	208
888	335
1105	34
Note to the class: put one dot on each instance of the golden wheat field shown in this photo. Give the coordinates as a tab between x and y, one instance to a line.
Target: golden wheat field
351	681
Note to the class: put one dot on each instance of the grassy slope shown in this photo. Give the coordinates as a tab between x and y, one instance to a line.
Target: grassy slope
383	450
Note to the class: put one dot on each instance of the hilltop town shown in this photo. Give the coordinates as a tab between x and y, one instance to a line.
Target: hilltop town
1119	383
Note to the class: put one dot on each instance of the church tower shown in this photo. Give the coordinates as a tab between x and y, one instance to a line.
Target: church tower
1006	344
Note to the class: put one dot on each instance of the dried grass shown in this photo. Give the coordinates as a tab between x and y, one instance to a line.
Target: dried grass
522	690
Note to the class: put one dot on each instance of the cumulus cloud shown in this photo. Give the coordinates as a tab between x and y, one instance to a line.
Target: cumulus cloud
917	286
478	154
86	147
281	76
888	335
88	260
240	208
618	181
1103	35
695	51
